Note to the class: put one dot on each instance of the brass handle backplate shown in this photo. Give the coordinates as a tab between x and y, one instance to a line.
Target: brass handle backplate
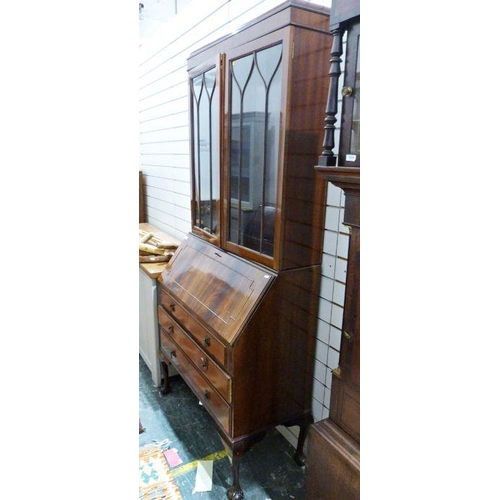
347	91
348	336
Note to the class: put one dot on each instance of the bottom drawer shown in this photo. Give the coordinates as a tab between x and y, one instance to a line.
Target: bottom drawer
216	406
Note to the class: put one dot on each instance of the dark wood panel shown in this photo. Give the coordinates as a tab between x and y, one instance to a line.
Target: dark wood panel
274	359
333	465
142	202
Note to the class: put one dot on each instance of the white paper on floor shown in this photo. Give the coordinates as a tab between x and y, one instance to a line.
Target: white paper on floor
204	473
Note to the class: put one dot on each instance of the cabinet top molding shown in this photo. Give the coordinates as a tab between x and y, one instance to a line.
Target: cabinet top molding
292	12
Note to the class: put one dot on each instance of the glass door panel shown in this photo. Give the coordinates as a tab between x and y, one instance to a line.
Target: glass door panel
205	132
255	86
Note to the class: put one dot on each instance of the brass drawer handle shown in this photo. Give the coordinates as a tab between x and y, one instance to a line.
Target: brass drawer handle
348	336
170	329
172	306
204	363
207	394
172	353
347	91
206	341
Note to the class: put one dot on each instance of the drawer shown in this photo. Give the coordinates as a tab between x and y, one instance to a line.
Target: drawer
215	405
209	343
217	377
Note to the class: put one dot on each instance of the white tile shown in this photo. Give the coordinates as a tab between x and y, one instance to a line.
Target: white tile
324	310
332	221
343	245
337	316
333	195
344	229
335	337
328	385
340	270
320	372
328	394
326	412
333	359
339	293
321	352
330	242
318	390
323	331
326	288
329	266
317	410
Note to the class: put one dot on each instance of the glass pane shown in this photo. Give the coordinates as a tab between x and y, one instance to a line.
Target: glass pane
205	154
355	125
241	71
196	87
255	120
268	62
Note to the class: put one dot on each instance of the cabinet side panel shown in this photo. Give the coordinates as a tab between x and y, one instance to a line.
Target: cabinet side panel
274	357
304	189
332	469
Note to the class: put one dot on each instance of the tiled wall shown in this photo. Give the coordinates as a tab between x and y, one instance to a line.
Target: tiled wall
333	278
332	290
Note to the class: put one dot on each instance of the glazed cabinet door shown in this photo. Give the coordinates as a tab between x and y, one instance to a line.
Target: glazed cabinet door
255	103
205	109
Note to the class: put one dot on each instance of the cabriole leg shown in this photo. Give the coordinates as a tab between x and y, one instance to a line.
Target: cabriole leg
235	492
165	386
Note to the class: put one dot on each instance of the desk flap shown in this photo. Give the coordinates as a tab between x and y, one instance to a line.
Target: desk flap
221	289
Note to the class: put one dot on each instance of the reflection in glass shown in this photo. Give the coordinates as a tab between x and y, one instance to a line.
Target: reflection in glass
255	122
355	125
205	154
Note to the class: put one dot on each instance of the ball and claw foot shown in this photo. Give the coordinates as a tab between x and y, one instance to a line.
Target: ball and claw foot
164	390
235	493
300	458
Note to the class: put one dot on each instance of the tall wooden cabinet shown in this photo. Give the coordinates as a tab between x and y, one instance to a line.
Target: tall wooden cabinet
237	303
333	467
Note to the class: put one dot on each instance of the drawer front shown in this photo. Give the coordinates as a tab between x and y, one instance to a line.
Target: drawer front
217	377
209	343
219	409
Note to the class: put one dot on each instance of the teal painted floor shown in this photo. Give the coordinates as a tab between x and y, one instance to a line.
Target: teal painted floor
267	471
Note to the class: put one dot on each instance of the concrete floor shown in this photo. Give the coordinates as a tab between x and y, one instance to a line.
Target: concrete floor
267	471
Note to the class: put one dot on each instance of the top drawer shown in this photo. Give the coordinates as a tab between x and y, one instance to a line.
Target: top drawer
209	343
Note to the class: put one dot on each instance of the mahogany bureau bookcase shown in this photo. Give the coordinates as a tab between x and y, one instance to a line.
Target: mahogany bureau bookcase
237	303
